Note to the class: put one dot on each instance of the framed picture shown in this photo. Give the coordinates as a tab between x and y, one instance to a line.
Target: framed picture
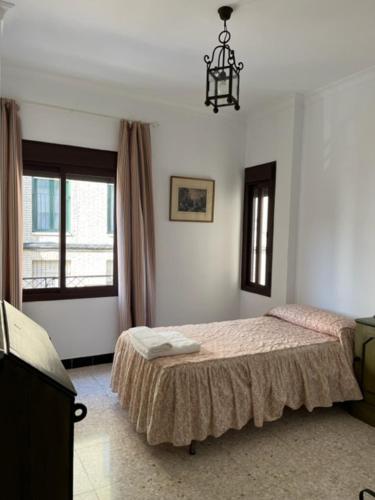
191	199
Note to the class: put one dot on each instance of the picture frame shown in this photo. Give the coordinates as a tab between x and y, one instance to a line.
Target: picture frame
191	199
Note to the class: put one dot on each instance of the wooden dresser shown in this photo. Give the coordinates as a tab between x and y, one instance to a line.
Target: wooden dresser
364	367
37	413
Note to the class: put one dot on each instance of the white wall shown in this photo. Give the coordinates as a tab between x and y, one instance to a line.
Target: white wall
336	237
197	264
274	135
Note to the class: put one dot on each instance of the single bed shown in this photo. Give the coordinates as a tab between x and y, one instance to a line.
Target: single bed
248	369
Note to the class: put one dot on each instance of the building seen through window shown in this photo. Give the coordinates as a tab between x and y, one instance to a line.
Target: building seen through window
89	233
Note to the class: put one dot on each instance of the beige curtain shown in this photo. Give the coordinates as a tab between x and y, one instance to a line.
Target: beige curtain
11	202
135	227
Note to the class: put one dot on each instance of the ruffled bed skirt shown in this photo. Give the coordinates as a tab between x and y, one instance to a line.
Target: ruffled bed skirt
191	401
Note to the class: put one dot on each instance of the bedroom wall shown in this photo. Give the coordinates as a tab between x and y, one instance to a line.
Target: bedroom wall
336	238
197	264
275	134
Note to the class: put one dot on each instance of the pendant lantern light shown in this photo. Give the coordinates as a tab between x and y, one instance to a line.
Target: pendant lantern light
223	73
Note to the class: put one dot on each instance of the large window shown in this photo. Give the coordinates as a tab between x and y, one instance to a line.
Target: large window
259	200
69	222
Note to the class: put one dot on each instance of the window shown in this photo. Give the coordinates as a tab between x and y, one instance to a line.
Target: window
257	240
67	212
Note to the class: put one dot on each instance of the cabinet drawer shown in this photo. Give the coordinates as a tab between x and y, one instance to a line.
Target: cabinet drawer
366	335
362	334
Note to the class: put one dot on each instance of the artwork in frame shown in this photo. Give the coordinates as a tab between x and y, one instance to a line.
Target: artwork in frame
191	199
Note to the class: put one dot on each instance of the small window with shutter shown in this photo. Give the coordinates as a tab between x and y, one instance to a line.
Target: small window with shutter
257	241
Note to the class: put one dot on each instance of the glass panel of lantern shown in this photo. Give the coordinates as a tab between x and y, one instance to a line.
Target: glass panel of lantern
219	76
235	85
211	84
223	82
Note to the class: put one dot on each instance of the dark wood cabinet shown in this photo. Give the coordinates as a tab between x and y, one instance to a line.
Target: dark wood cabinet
364	367
37	413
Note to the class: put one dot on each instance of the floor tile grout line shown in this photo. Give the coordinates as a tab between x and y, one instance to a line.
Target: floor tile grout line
87	474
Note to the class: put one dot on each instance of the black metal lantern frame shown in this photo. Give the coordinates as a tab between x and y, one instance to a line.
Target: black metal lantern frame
223	73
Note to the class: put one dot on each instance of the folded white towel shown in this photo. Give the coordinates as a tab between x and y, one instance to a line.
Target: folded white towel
151	344
147	340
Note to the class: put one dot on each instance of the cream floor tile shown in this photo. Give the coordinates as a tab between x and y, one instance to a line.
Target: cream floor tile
357	432
131	446
84	371
104	409
364	466
329	438
89	387
211	473
331	483
98	401
103	374
81	482
149	489
257	451
107	464
86	496
108	428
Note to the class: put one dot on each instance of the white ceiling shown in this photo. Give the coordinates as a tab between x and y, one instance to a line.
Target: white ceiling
156	47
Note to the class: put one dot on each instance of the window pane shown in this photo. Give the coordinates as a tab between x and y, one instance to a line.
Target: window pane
263	237
68	221
254	238
41	208
47	268
109	267
45	204
110	208
88	245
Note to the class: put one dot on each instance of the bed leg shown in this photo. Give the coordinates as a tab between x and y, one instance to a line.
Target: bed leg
192	450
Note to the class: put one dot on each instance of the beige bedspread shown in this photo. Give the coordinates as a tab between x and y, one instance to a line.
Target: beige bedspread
247	369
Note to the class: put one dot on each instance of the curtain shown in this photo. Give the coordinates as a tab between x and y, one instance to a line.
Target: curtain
135	227
11	202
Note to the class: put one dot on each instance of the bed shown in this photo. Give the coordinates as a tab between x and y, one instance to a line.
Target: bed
247	369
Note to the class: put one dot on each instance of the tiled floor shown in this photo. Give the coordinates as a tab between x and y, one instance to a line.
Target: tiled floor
323	455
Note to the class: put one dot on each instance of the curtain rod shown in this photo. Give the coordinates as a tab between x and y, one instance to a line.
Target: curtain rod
72	110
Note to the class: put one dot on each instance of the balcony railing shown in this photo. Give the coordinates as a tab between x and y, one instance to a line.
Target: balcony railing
71	281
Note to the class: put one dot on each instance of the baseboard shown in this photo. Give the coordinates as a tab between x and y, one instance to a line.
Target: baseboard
98	359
